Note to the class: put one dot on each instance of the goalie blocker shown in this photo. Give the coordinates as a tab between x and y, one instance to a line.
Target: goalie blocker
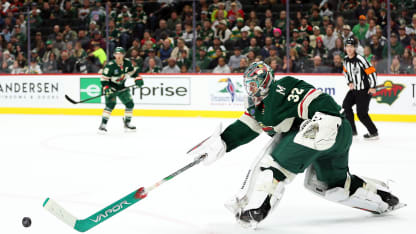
309	133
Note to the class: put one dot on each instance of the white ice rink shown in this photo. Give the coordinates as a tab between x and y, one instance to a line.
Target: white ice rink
62	157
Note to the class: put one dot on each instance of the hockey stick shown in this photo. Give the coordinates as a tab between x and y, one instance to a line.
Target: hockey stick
83	225
88	99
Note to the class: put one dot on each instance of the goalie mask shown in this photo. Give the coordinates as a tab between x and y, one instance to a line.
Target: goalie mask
257	80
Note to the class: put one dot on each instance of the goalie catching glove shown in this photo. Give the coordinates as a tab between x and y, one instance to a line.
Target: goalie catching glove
214	147
318	133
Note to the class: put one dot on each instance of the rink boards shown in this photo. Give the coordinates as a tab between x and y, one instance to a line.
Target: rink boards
186	95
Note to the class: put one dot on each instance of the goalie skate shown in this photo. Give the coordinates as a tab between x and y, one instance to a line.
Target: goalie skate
383	190
251	218
390	199
396	207
244	219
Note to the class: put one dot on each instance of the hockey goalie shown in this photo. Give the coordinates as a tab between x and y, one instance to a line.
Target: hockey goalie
308	134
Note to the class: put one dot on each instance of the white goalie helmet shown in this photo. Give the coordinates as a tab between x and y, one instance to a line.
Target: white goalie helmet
257	79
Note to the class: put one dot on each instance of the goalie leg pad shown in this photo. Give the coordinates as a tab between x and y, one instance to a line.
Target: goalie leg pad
364	198
312	183
261	202
372	195
264	193
261	190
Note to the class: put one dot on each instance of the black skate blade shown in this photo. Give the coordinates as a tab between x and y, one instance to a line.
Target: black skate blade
129	129
390	209
396	207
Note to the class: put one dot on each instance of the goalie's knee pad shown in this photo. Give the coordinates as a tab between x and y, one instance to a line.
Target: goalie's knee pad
365	194
312	183
263	188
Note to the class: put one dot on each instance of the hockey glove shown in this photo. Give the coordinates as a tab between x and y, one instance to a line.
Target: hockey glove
318	133
139	81
213	146
108	91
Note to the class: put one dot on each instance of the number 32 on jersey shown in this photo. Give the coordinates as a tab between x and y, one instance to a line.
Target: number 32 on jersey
294	93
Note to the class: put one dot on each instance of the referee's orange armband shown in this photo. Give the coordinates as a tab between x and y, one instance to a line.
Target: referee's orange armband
370	70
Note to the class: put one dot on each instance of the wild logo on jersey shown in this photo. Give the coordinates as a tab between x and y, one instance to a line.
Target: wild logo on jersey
121	78
388	92
267	129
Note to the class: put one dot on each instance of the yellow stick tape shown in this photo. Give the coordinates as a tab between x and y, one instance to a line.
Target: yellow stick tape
171	113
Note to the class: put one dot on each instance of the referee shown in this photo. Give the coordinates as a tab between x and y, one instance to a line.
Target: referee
361	76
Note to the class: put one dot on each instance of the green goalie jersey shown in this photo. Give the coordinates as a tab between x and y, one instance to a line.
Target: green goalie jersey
115	76
289	101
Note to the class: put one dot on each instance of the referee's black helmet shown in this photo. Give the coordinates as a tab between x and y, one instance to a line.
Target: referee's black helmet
350	41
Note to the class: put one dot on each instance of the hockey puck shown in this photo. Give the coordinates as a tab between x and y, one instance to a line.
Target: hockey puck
26	221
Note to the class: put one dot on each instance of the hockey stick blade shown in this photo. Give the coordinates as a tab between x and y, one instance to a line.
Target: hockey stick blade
83	225
91	98
70	100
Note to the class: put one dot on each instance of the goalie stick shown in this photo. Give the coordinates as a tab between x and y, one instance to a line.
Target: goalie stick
88	99
83	225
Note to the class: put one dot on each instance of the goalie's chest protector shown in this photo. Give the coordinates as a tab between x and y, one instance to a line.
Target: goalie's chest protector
287	98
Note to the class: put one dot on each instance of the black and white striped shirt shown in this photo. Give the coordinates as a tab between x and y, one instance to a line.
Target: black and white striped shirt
360	72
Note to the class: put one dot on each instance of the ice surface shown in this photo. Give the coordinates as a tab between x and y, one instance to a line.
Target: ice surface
62	157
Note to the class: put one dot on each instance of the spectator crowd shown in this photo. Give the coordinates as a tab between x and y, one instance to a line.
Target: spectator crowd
79	36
